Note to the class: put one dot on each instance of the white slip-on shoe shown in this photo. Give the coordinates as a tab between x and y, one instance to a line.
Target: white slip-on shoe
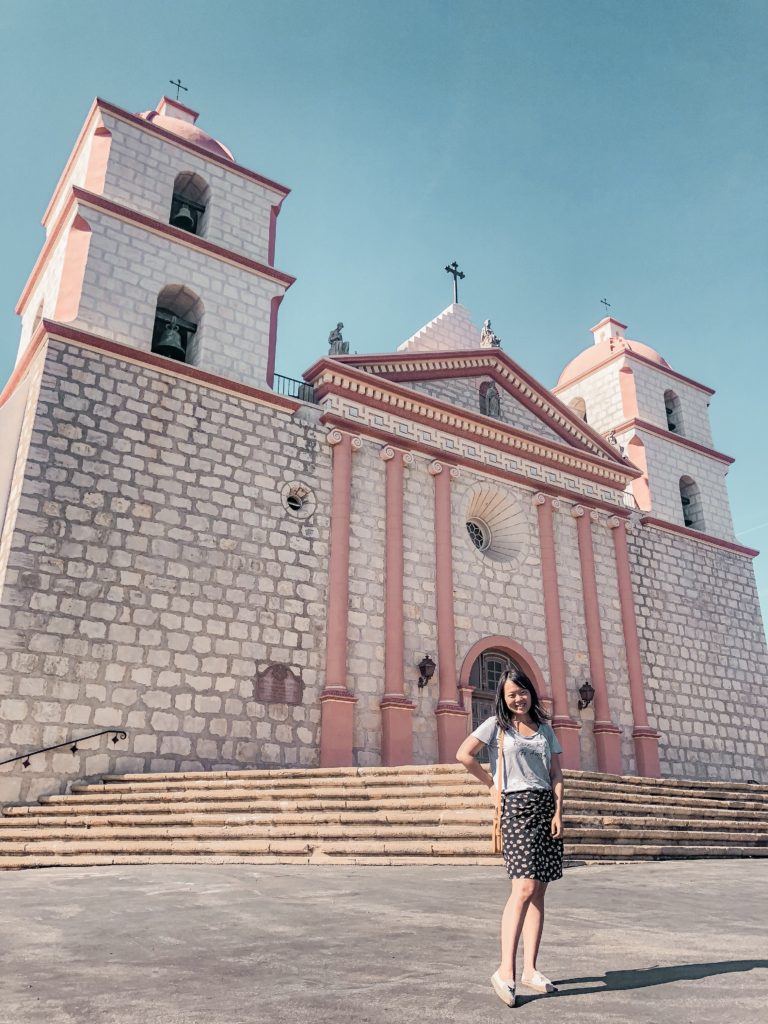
538	982
505	990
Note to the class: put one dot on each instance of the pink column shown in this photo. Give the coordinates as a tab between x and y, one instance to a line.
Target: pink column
646	739
566	728
337	704
607	735
451	716
396	709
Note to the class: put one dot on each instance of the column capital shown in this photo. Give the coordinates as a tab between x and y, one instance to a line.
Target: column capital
435	468
387	453
407	459
577	511
556	504
594	515
612	522
357	444
539	498
334	437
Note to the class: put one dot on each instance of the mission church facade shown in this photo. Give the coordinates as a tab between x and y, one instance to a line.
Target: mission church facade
238	576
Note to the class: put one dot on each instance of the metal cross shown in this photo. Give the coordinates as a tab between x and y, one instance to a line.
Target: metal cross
607	305
179	86
457	275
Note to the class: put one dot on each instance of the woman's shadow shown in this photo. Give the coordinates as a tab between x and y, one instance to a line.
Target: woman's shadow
613	981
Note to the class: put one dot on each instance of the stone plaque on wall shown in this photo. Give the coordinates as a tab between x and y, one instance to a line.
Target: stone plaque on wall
277	684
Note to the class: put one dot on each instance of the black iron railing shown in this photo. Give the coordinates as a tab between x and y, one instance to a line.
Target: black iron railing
292	388
116	734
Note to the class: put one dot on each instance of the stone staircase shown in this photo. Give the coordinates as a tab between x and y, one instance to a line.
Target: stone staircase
410	815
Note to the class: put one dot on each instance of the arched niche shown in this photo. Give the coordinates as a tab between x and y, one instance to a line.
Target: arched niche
674	412
690	499
189	203
579	406
178	323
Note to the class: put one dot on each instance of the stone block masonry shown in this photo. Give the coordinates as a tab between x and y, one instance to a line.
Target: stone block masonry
703	647
154	571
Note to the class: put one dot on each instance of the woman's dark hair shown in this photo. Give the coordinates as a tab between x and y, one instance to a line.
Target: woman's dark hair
503	714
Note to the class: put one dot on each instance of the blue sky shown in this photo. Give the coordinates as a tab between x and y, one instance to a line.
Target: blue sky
561	151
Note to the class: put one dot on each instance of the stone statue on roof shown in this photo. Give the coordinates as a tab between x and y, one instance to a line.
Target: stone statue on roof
336	344
487	338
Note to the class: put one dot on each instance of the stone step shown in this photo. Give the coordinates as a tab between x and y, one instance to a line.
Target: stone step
63	850
756	791
246	781
310	831
407	795
414	805
381	818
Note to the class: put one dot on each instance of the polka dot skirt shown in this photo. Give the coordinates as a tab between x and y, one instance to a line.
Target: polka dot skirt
527	845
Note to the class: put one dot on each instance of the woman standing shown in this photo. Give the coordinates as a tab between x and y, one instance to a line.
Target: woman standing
531	820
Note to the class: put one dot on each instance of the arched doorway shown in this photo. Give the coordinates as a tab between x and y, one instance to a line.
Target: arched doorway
483	667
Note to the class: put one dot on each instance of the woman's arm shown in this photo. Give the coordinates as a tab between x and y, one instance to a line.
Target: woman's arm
556	778
466	755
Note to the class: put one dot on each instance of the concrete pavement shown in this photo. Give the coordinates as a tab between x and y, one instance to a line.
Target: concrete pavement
659	943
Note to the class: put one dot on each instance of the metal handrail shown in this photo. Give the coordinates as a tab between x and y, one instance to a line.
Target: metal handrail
117	734
292	388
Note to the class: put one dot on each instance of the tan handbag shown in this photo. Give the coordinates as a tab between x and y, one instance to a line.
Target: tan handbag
496	833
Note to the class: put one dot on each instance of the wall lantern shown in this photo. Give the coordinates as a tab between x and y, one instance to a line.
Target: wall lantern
586	692
426	671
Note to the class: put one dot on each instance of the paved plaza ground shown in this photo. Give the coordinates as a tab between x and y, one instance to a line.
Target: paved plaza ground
242	944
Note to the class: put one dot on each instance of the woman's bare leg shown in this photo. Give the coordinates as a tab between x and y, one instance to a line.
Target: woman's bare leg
512	919
533	925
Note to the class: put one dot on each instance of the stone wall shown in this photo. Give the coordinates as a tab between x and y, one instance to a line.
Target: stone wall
704	651
602	396
155	573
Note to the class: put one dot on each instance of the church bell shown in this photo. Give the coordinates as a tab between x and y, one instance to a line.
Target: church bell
184	218
170	344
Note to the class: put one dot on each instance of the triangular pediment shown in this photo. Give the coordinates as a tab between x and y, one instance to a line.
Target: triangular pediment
455	378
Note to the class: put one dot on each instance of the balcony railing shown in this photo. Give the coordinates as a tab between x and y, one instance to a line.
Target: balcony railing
292	388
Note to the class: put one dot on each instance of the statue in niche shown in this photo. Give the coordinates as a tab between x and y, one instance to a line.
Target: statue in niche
493	402
336	344
487	337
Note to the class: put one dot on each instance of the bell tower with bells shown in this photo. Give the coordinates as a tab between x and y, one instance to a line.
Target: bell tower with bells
158	240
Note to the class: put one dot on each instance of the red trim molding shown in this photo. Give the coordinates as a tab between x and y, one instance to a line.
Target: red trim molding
94	201
492	360
707	538
668	435
455	459
90	200
50	330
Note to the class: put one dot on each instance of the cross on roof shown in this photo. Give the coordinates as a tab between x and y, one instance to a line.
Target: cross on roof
457	275
179	86
607	305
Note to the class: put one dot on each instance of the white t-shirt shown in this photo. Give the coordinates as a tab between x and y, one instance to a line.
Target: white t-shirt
525	759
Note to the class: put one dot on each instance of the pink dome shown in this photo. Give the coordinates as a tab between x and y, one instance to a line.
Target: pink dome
597	354
188	132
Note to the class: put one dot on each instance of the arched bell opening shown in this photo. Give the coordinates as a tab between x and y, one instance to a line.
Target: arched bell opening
189	204
674	412
690	499
178	320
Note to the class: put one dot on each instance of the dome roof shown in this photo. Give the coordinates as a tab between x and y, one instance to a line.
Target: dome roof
598	353
187	131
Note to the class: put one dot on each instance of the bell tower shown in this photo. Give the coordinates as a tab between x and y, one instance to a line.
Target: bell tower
660	419
157	239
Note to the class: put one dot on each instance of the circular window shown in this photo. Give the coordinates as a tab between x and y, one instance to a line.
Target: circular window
497	525
479	534
298	500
